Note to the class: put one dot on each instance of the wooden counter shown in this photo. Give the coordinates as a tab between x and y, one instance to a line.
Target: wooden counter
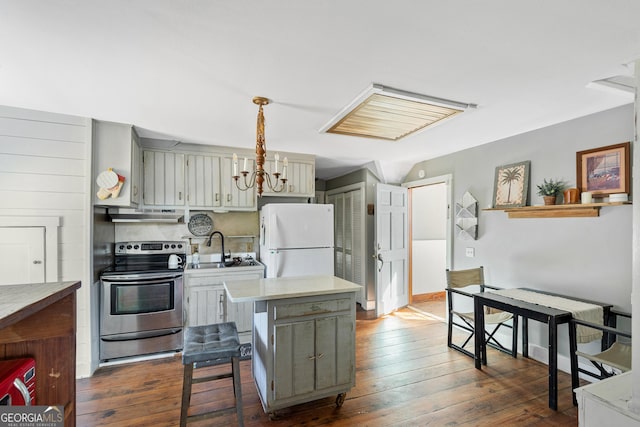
39	320
303	337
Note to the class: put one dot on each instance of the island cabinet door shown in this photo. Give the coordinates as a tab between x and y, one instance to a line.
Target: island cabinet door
334	351
294	370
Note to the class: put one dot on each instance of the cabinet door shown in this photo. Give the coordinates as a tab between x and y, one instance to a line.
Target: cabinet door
300	179
114	148
205	305
334	351
136	166
233	197
164	183
203	174
295	361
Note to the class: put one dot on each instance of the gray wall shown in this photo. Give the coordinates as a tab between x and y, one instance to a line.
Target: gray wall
584	257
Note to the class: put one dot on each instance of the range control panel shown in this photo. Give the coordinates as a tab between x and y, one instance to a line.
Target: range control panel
147	248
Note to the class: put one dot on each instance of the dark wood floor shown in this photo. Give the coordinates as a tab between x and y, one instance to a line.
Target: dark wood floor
406	376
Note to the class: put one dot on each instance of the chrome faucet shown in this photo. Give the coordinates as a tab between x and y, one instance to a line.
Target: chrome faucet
223	256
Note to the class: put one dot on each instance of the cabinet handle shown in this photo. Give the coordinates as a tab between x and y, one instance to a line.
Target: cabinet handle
179	195
135	190
321	355
217	197
228	197
290	188
311	357
221	312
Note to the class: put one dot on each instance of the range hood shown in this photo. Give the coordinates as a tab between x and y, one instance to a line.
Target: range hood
165	216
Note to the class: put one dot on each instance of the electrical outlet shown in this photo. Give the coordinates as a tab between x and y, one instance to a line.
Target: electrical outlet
470	252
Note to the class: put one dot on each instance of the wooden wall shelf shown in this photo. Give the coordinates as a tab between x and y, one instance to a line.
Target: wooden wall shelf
557	211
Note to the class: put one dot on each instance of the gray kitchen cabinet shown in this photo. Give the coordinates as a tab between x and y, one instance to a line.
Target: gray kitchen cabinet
203	179
300	178
234	198
116	146
308	351
206	302
164	178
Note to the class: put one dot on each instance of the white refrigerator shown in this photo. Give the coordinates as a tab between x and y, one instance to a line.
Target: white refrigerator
296	239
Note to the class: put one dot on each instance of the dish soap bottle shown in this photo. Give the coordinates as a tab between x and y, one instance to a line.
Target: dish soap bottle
195	258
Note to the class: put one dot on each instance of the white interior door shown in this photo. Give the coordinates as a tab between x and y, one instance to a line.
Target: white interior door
391	215
22	255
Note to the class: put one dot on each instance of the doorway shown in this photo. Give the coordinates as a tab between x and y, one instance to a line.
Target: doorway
430	243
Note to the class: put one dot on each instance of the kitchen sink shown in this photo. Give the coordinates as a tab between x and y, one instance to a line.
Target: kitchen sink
204	265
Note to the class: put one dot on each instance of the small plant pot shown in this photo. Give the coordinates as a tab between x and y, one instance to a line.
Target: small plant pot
549	200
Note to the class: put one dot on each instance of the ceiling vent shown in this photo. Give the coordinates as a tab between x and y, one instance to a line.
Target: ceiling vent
386	113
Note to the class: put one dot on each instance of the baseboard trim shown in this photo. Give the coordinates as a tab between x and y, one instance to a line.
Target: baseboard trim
431	296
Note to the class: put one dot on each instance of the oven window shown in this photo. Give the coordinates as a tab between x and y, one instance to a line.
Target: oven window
141	298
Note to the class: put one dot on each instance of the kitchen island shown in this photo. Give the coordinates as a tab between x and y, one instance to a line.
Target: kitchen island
303	337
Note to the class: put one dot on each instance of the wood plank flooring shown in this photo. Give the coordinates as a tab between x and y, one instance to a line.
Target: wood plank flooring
406	376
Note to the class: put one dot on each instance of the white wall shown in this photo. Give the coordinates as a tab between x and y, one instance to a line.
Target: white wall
428	238
584	257
45	162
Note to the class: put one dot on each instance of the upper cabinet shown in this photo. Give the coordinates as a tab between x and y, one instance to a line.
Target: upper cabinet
203	179
164	178
116	147
301	178
234	198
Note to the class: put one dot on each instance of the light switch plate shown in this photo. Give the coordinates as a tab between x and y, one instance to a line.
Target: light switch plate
470	252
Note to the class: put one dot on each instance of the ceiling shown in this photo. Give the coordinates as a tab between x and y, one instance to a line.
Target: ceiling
188	70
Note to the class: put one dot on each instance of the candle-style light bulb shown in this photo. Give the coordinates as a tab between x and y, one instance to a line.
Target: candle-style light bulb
244	168
276	157
235	164
285	163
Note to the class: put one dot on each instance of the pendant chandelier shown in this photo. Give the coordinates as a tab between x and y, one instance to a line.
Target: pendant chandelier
259	176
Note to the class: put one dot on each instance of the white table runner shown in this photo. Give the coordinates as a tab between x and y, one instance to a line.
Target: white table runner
580	310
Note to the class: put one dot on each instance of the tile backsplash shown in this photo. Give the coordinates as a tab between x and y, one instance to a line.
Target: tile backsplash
230	224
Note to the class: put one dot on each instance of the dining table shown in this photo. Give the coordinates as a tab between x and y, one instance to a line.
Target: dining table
545	307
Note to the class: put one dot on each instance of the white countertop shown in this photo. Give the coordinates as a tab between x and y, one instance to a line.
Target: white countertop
287	287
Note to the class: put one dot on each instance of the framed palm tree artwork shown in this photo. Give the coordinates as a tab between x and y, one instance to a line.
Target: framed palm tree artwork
511	185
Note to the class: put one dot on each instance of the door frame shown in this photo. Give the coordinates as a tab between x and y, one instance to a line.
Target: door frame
446	179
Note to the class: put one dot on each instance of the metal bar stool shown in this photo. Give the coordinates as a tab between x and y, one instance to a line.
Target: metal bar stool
210	345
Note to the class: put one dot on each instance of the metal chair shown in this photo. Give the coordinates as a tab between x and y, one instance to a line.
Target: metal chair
456	282
210	345
616	358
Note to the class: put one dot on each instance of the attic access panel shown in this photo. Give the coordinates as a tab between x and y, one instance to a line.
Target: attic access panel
391	114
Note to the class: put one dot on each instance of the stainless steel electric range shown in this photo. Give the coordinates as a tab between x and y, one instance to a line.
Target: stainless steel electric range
141	300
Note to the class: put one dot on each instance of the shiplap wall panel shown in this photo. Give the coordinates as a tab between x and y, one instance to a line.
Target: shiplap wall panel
36	183
38	147
42	130
45	164
41	165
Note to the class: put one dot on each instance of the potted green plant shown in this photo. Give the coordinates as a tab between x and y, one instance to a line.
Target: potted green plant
549	190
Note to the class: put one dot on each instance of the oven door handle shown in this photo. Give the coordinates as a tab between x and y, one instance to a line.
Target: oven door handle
141	278
141	335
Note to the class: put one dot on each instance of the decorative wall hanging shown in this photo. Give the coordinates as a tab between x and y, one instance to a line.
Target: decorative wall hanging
109	184
605	170
467	217
511	185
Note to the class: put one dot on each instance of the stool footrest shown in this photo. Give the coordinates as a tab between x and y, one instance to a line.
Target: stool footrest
211	378
212	414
